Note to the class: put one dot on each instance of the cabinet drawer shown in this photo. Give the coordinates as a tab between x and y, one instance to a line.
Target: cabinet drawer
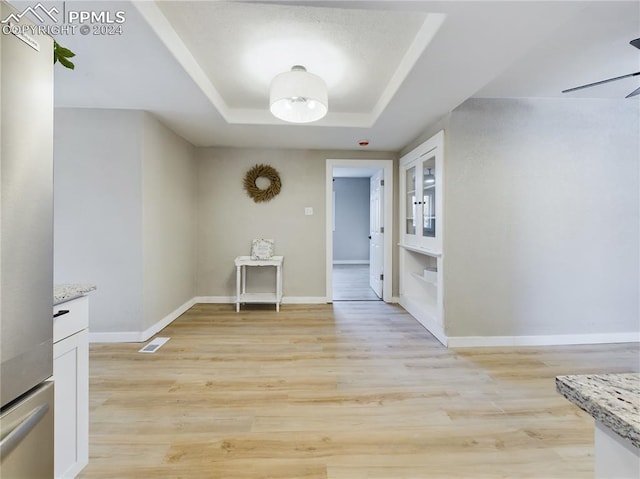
77	318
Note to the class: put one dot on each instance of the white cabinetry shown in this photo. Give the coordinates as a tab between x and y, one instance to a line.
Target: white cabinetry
421	195
421	288
421	228
71	376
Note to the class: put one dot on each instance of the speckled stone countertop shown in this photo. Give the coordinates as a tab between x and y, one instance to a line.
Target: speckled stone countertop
612	399
67	292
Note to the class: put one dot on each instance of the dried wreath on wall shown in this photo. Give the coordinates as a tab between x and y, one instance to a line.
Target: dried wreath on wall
267	192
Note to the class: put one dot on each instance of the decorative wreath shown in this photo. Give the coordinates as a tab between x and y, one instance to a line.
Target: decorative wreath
262	171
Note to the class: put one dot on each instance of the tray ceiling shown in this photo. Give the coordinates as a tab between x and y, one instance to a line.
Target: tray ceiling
362	55
393	67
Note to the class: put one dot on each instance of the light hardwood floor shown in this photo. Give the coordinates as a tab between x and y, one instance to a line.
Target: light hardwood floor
351	283
349	391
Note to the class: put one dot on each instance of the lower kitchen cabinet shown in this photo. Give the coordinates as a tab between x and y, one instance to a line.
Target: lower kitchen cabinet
71	376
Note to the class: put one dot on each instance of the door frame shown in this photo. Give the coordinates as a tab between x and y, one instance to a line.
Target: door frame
376	183
387	167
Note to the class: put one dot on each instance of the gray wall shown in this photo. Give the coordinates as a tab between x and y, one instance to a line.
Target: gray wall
98	211
350	237
542	217
229	219
169	215
124	215
541	206
136	207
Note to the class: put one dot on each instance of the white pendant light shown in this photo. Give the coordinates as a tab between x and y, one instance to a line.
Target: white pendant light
298	96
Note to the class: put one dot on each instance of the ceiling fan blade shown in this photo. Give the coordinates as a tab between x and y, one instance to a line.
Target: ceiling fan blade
601	82
634	93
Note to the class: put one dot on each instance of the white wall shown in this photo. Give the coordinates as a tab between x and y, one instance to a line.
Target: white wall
124	216
352	202
98	211
542	217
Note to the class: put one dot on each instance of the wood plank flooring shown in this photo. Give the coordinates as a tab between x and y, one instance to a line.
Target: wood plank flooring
344	391
351	283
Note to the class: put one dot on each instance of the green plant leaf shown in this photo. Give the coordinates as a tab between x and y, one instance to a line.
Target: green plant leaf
66	63
64	52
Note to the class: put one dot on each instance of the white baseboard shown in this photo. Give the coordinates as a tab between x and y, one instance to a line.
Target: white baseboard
167	320
215	299
285	299
451	341
425	318
350	261
508	341
140	337
304	300
542	340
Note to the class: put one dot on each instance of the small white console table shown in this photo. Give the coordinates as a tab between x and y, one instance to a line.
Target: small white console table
241	281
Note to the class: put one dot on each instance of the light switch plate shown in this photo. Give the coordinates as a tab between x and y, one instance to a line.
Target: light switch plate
308	211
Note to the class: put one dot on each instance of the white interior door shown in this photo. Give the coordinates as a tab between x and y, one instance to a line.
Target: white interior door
376	233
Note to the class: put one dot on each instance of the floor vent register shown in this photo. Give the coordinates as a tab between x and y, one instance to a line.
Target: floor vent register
154	345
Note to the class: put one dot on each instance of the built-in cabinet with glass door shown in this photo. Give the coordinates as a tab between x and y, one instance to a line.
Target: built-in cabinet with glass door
421	221
421	170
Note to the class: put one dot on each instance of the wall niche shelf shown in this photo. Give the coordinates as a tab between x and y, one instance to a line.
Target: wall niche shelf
417	249
420	277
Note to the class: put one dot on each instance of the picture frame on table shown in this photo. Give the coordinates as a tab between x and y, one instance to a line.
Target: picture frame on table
262	249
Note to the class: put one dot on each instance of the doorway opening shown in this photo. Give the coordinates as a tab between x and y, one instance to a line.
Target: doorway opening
351	283
359	212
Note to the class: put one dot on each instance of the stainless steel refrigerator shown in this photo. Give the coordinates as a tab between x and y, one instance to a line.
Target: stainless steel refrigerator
26	251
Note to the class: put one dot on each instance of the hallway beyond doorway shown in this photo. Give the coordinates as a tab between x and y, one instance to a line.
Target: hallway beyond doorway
345	168
351	283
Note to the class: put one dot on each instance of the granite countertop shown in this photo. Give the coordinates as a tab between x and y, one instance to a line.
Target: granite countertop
67	292
612	399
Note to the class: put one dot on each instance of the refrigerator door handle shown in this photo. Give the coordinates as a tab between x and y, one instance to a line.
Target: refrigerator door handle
11	440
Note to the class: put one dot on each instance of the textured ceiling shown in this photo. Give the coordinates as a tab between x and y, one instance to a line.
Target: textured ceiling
362	55
592	46
393	67
241	47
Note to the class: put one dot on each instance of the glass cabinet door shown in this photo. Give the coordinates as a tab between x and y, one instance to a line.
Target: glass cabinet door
411	202
421	210
429	197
